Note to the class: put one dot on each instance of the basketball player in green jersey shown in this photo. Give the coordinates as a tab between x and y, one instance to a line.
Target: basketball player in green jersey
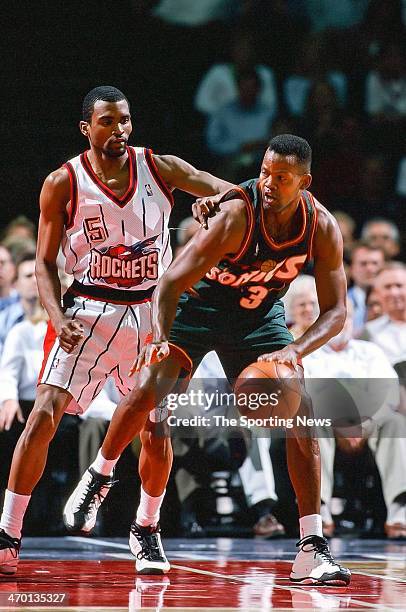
238	269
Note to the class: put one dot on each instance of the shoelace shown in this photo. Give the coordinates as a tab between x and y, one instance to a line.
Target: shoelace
149	545
319	546
93	493
7	541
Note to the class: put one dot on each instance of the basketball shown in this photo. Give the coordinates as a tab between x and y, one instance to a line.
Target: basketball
268	389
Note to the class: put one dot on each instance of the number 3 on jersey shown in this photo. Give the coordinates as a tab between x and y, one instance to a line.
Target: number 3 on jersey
255	298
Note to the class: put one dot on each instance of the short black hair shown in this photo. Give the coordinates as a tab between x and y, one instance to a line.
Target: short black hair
107	93
289	144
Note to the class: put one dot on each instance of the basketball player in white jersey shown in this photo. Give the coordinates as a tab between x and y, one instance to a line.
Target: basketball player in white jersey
108	208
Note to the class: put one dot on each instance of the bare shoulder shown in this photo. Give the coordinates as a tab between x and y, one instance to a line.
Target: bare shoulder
327	236
56	189
233	213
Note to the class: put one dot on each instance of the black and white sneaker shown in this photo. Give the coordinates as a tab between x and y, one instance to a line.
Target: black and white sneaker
80	510
9	553
314	564
146	546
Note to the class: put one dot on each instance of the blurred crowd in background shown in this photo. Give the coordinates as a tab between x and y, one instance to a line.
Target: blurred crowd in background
212	81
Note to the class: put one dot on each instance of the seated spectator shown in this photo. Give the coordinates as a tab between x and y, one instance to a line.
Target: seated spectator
301	305
241	129
366	261
328	14
192	14
20	227
381	426
310	68
385	97
374	304
8	294
383	234
347	228
322	116
219	86
27	304
389	330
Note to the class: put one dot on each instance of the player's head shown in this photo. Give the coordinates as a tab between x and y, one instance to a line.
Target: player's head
285	171
106	120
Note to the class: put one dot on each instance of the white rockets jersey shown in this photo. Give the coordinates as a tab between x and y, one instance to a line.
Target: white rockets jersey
114	245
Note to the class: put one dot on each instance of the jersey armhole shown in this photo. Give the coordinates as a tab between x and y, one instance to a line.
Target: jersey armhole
158	178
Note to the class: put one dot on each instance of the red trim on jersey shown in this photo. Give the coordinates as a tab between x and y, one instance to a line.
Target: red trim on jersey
132	183
158	178
73	194
49	342
278	246
250	226
314	225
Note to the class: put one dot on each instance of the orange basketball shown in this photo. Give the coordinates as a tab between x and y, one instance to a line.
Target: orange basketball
268	389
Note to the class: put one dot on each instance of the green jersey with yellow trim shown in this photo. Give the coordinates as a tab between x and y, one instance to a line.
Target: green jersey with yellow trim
260	274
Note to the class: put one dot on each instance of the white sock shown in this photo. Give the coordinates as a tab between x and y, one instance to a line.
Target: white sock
148	510
12	516
104	466
311	525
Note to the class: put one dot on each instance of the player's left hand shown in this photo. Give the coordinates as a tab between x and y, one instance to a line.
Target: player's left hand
289	355
150	353
206	207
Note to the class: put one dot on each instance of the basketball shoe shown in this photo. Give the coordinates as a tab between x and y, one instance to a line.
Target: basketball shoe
146	546
314	564
9	553
80	510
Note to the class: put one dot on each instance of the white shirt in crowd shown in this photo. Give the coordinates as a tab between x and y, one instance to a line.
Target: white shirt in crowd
390	336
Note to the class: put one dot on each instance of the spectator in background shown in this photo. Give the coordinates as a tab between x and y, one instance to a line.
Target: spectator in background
27	304
380	425
389	330
347	228
382	234
20	227
311	67
374	304
366	261
301	305
329	14
242	128
385	97
219	86
193	14
8	294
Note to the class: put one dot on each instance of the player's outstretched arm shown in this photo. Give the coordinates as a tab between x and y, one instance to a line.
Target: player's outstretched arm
204	250
179	174
55	195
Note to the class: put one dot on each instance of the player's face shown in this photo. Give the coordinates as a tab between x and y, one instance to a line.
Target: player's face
281	180
109	128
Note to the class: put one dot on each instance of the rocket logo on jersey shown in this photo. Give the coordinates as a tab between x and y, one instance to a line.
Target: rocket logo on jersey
125	266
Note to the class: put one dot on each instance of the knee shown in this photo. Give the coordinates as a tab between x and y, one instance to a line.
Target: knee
142	398
41	425
308	446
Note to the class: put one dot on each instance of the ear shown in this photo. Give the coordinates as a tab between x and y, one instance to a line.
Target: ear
306	181
84	128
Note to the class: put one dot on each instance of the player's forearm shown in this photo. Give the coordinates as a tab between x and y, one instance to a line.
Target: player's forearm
164	304
208	185
49	288
328	325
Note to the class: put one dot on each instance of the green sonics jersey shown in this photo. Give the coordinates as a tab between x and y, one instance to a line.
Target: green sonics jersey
260	273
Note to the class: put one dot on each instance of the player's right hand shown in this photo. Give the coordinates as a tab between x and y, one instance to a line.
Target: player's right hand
150	353
206	207
70	333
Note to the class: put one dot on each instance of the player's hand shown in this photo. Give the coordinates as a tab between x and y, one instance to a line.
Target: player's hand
289	355
207	207
70	333
150	353
9	411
